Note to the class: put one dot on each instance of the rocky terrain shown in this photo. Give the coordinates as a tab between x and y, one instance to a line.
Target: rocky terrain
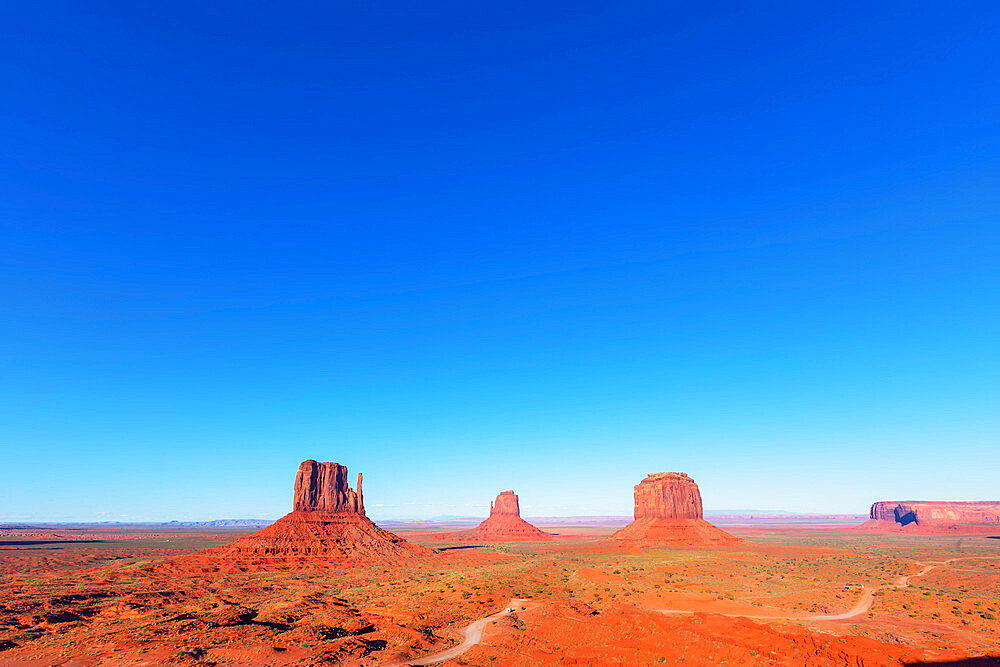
503	525
323	487
668	511
324	585
327	526
779	598
934	516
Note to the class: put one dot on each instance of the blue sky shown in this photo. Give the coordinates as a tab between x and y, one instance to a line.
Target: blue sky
463	249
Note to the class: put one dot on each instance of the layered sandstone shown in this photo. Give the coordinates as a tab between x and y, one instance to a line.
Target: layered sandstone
506	504
503	525
668	512
323	487
327	526
934	516
668	495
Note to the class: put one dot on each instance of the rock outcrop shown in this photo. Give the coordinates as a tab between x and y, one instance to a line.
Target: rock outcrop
668	495
934	516
503	525
327	527
506	504
323	487
668	512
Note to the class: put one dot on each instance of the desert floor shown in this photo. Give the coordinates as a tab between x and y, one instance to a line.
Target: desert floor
788	595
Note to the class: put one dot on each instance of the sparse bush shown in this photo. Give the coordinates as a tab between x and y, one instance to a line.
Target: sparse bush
195	653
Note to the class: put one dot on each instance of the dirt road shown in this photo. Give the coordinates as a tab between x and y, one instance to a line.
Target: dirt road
903	582
863	605
473	635
474	632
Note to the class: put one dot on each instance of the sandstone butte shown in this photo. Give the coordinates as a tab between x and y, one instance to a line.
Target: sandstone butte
327	526
920	516
503	525
668	512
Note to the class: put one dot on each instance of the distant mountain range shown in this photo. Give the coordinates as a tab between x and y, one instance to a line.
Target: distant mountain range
711	515
222	523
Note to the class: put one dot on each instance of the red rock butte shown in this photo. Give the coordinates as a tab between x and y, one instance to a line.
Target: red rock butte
323	487
503	525
668	512
922	516
327	526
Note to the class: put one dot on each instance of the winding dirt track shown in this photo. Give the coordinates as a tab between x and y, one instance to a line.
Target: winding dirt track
474	631
473	635
903	582
863	605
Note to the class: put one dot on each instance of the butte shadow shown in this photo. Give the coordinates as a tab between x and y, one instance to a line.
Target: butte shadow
326	527
933	517
503	525
668	512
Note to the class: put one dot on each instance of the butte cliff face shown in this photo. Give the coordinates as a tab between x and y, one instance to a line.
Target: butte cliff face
506	504
323	487
668	512
503	525
668	495
326	527
934	516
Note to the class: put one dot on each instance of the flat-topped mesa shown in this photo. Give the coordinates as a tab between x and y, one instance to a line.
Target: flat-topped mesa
323	487
883	511
926	515
506	504
667	495
668	512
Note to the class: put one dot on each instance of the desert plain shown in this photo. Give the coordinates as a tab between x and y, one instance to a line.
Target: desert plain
773	592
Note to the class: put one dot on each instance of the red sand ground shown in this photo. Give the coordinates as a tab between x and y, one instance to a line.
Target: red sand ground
112	601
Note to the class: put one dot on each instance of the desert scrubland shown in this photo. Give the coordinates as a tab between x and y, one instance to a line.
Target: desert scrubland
773	594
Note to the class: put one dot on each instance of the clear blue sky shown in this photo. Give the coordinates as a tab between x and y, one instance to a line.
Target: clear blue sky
463	249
